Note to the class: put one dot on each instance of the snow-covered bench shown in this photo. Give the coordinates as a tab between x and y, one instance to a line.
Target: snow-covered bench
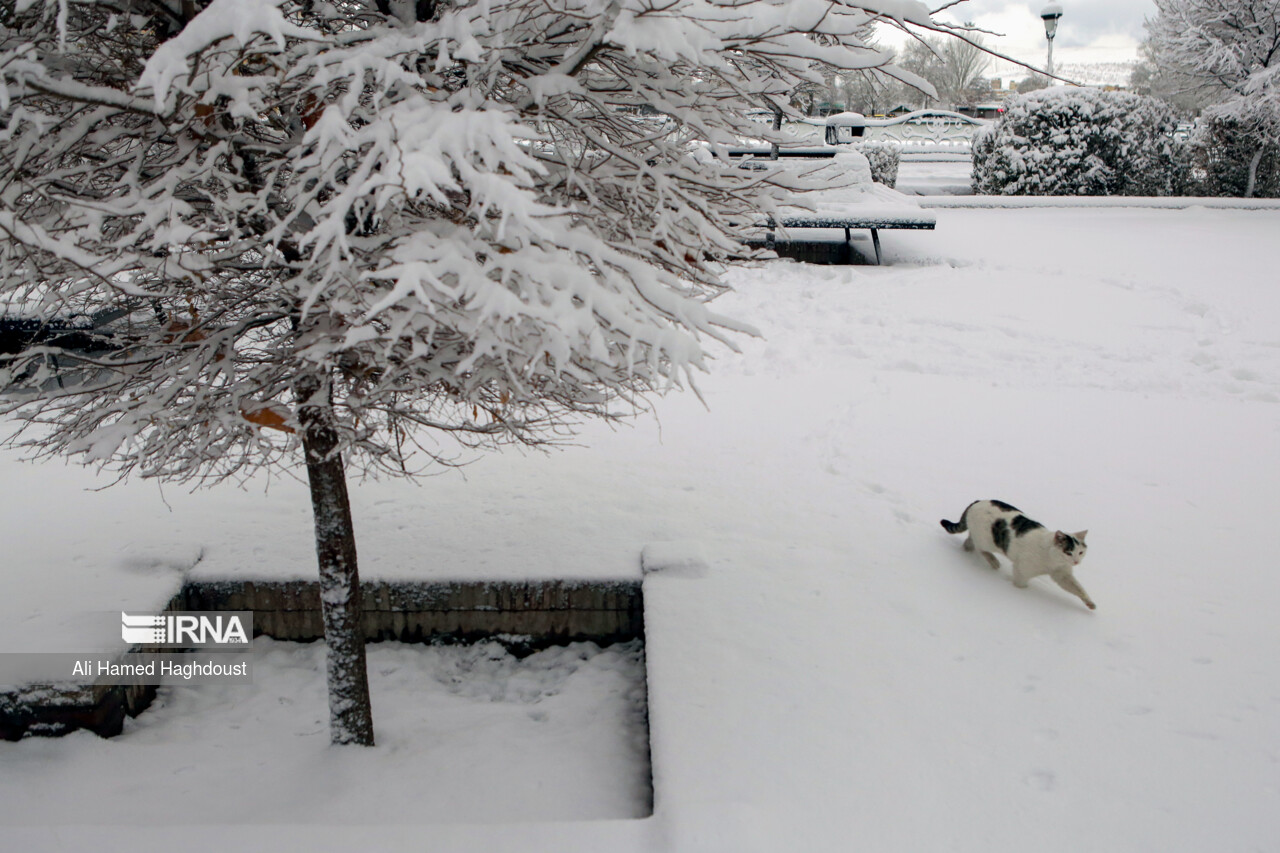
869	206
872	221
853	202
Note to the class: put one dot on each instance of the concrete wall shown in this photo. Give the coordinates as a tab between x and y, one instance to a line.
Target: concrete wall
546	611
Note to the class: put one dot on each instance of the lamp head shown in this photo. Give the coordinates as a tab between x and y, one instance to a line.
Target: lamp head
1051	13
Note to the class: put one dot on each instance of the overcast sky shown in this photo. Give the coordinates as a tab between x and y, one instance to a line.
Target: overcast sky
1089	30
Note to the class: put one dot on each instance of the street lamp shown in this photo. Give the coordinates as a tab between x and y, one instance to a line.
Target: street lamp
1051	14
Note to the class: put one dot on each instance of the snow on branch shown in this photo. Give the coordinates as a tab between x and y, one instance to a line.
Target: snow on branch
243	21
473	228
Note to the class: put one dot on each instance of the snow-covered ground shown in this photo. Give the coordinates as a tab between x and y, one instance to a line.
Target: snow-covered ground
840	674
468	734
932	177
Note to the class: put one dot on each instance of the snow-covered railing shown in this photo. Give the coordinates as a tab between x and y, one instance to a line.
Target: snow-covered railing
919	130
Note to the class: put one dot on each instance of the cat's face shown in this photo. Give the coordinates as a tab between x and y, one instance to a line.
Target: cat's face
1072	545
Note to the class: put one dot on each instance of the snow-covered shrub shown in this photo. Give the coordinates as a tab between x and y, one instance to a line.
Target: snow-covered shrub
1221	151
984	144
1188	173
1079	142
884	158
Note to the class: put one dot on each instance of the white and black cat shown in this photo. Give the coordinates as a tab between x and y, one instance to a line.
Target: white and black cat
1032	548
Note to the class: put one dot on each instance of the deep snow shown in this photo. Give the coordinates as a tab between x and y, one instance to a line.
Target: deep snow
834	672
470	733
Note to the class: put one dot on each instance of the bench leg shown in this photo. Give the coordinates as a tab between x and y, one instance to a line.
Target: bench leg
875	241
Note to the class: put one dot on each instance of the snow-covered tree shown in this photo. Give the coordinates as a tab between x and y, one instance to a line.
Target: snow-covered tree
1157	79
360	233
1225	52
1232	155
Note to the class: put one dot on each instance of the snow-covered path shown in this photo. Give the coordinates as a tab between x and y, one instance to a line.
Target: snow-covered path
842	675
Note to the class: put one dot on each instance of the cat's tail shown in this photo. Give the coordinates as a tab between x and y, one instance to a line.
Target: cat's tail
957	527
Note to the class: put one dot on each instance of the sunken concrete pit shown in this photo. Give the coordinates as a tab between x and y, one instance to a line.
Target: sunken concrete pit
525	616
856	251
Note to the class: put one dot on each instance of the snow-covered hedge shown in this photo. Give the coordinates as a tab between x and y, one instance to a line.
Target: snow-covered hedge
1221	151
884	158
1076	141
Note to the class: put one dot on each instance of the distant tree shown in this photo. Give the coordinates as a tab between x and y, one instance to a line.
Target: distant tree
1032	83
954	67
348	234
806	97
1226	52
866	93
964	63
921	58
870	91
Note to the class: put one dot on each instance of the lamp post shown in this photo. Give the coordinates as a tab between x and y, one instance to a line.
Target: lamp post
1051	14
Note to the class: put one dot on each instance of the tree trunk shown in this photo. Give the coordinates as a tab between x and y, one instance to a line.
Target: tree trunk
1253	174
350	714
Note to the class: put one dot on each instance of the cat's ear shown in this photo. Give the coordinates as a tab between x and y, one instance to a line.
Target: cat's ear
1081	535
1061	539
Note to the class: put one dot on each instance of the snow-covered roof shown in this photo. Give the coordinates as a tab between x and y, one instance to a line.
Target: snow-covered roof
847	119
